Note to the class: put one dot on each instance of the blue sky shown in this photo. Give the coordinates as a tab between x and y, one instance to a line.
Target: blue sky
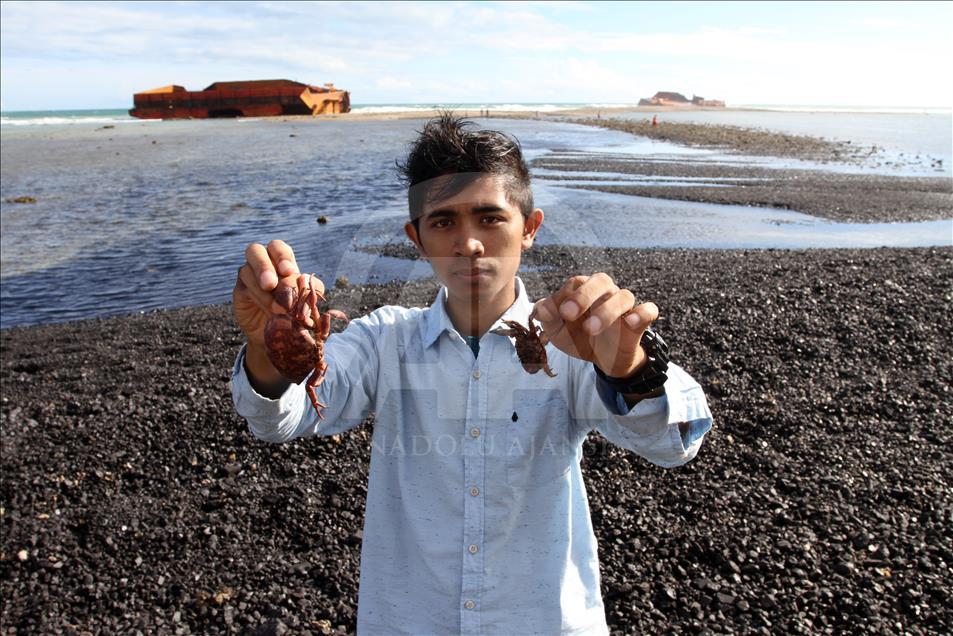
72	55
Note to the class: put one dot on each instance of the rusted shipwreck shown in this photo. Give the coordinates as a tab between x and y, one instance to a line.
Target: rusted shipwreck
668	98
255	98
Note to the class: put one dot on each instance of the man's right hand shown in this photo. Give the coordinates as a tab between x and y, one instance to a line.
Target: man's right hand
253	304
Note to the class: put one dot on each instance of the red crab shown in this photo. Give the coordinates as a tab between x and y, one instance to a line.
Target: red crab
295	340
530	345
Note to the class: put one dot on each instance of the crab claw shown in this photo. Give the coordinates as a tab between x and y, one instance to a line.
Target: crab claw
334	313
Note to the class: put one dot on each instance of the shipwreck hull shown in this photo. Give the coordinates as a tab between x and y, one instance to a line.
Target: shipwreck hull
268	98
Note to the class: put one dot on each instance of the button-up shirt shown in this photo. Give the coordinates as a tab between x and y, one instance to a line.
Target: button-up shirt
477	519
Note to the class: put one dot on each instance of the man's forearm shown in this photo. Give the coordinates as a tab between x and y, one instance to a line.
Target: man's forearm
262	375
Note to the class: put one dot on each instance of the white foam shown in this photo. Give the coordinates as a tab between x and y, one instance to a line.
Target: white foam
60	121
394	109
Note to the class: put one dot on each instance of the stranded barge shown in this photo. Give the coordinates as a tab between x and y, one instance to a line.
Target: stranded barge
665	98
256	98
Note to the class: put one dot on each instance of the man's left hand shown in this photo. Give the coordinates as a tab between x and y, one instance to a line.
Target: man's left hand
592	319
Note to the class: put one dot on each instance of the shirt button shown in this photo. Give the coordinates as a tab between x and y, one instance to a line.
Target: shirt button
469	605
474	432
476	374
473	549
474	491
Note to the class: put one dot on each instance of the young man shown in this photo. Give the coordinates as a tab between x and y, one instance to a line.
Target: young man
477	519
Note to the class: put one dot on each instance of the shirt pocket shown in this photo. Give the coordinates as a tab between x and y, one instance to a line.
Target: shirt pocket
538	444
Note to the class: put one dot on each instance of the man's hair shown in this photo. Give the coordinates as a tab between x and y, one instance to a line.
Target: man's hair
448	145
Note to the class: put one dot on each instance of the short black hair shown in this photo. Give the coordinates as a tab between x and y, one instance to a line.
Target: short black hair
449	145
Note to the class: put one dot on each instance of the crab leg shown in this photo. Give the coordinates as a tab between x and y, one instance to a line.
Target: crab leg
544	337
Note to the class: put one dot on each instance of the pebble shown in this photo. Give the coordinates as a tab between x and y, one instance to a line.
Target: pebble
720	542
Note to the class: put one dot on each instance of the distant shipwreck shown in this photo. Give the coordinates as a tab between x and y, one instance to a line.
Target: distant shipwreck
255	98
677	99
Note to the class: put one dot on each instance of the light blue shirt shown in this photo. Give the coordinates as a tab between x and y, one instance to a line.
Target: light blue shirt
477	518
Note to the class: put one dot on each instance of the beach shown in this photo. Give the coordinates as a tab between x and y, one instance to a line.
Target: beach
134	499
852	198
839	196
162	205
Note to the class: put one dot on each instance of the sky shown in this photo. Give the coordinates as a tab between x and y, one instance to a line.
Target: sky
79	55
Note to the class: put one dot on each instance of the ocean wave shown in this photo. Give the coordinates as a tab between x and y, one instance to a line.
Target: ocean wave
61	121
608	105
373	110
547	108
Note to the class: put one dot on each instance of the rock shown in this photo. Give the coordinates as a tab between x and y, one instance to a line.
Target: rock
119	443
725	599
844	568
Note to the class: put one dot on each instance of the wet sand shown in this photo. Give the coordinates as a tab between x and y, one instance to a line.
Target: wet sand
738	139
856	198
133	498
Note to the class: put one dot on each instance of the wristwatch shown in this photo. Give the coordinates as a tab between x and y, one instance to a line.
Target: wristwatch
651	376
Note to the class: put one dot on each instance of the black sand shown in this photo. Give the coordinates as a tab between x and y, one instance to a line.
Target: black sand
134	499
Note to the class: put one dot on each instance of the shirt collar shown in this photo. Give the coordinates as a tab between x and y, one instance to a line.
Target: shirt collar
437	320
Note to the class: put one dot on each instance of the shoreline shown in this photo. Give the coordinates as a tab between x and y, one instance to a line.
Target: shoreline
739	139
552	109
201	183
525	113
839	197
746	139
851	196
134	498
829	194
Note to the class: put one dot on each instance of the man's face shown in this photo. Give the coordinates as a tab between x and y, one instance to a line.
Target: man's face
474	239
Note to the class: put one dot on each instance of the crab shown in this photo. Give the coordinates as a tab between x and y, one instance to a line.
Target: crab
295	340
530	344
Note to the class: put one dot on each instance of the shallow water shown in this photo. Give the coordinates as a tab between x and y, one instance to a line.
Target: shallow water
912	141
629	221
152	215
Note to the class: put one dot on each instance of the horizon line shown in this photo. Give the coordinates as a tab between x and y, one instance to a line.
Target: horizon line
435	104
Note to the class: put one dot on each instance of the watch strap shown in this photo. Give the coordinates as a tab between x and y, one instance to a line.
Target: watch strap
651	376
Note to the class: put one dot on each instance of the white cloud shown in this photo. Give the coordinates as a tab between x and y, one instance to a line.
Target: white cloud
521	51
393	83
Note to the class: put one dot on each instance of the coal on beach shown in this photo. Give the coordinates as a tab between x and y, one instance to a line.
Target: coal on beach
134	499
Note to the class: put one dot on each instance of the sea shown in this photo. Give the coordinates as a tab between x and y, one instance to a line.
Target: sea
133	216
